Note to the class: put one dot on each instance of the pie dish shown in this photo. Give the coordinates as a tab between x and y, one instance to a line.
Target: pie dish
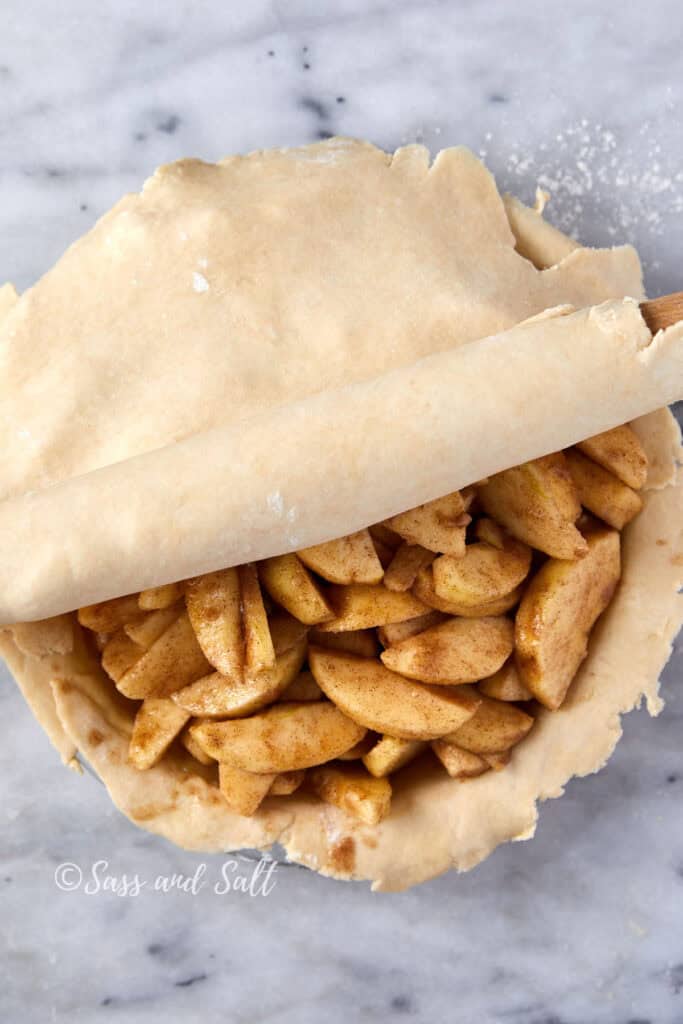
253	358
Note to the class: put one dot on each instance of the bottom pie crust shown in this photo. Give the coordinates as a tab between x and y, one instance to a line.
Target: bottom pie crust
436	822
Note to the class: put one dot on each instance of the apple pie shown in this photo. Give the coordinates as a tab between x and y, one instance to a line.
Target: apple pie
341	506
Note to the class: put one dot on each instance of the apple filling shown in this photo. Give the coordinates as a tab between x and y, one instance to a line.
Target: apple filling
437	633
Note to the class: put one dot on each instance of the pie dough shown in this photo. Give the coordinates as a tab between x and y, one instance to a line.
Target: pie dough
266	353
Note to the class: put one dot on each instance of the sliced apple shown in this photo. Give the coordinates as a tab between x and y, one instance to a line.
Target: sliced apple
405	565
506	684
157	723
173	661
498	761
620	452
160	597
496	726
459	763
370	694
108	616
217	695
351	559
485	574
390	753
119	654
192	747
148	628
283	738
243	791
538	504
352	790
602	493
455	652
425	591
291	585
364	606
259	653
438	525
558	611
490	531
214	607
286	783
394	632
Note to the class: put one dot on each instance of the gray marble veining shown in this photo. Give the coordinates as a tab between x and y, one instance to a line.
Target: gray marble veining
584	924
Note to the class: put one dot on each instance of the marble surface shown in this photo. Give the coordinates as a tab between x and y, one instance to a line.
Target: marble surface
585	923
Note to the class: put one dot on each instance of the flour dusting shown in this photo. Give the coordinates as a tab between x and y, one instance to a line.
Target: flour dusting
634	184
199	282
276	503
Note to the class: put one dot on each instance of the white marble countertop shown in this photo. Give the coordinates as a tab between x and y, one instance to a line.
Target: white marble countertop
585	923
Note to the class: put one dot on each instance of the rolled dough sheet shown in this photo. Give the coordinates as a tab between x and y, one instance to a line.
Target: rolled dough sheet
261	354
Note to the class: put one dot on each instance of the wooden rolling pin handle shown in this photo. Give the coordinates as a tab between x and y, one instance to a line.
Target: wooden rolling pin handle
663	312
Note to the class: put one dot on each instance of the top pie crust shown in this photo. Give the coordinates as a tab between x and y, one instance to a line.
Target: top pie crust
421	260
